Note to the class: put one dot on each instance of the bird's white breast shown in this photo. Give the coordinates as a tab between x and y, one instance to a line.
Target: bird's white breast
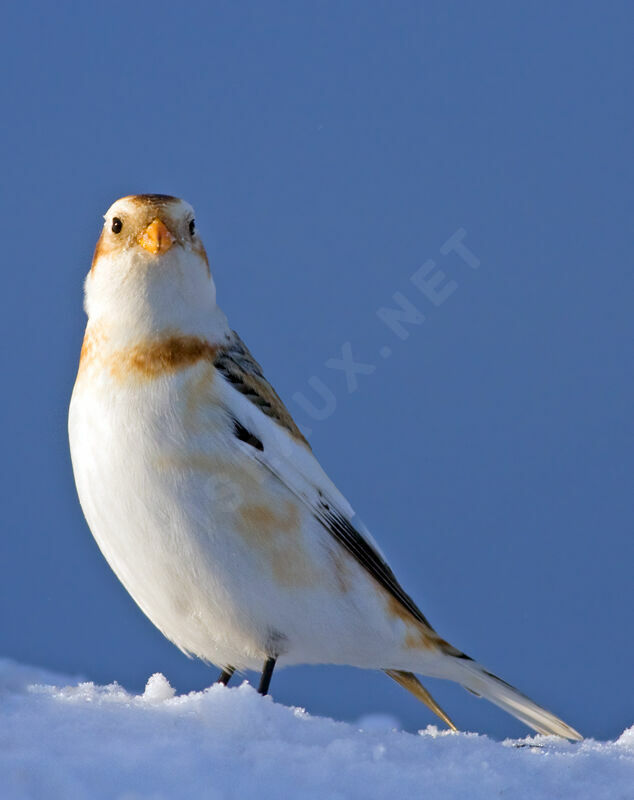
217	553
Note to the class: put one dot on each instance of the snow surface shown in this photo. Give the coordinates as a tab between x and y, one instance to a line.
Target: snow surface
64	739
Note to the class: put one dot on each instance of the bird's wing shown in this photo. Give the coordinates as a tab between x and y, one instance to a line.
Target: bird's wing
263	427
238	367
262	423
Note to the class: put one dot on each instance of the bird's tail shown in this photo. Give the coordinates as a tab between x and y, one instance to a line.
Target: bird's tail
410	682
479	681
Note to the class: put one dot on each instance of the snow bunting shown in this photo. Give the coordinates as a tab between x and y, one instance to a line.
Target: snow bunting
206	499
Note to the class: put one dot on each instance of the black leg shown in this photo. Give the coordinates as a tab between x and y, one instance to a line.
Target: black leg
225	675
267	674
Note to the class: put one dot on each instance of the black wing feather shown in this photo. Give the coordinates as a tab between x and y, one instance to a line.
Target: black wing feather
359	547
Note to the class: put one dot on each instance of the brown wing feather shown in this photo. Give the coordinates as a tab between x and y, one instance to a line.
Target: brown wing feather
236	364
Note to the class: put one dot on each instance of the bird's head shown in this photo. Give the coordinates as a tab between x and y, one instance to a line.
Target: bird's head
150	270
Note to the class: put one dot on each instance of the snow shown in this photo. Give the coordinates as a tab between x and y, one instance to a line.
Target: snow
60	738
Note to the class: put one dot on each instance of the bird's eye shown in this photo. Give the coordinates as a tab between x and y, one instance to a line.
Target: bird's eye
116	225
192	226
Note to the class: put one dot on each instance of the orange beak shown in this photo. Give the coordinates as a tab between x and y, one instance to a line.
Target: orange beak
156	238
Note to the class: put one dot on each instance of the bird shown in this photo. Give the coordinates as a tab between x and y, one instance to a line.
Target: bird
207	500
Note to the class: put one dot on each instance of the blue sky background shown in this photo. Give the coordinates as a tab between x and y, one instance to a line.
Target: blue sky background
330	149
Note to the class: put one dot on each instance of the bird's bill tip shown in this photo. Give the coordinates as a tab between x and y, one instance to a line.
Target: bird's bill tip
156	238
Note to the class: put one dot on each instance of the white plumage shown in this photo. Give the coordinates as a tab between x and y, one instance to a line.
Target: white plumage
203	495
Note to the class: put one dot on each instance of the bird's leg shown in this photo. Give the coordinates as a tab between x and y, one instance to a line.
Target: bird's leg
267	674
225	675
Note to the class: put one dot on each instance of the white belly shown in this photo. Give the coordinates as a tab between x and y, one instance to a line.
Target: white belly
222	558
